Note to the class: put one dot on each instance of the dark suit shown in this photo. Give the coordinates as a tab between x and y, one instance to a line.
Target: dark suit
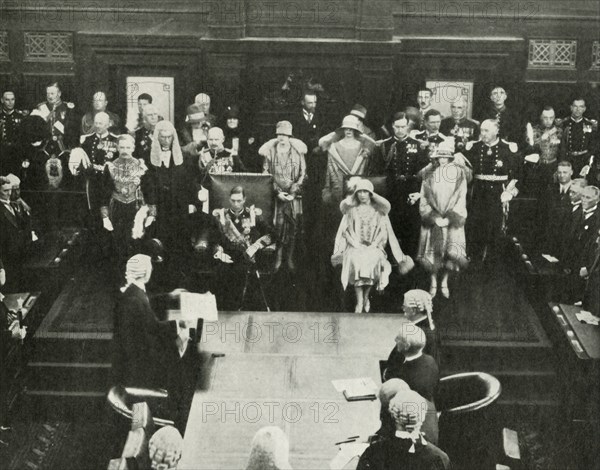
15	238
393	454
510	124
144	348
554	208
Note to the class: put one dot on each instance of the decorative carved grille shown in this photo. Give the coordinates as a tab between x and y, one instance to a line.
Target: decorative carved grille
49	46
596	55
552	53
3	45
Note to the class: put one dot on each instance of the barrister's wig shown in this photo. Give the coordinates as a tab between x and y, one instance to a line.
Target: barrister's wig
389	390
165	448
408	404
270	450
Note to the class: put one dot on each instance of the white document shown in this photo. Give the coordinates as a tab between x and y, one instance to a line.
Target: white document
360	385
550	258
194	306
347	453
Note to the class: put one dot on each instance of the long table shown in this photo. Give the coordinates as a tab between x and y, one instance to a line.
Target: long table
275	369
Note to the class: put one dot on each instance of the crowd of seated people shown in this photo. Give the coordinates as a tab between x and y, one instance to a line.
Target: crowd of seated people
448	184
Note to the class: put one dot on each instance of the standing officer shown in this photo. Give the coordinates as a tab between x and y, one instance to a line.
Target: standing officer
10	120
60	118
509	122
496	171
459	125
431	137
579	136
403	159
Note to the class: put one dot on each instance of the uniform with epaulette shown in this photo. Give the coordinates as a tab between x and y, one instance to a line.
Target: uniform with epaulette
403	161
63	128
87	122
242	236
579	139
464	130
100	150
219	162
496	169
9	126
143	144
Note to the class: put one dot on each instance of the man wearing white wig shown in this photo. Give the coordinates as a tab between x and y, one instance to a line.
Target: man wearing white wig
168	189
270	449
146	350
407	448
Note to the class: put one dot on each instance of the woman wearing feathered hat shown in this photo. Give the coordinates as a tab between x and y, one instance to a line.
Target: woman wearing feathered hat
360	244
442	245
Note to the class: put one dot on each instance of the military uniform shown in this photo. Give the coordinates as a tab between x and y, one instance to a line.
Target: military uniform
87	122
9	126
494	166
219	162
59	118
403	160
546	143
238	233
429	142
463	131
578	142
510	126
100	150
143	144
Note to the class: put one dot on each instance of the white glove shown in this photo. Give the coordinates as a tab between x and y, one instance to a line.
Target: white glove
583	273
505	197
107	224
191	209
584	171
34	237
283	196
413	198
533	158
223	257
149	221
252	249
441	222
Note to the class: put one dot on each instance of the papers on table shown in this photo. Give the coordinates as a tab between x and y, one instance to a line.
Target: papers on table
587	317
357	389
550	258
347	453
195	306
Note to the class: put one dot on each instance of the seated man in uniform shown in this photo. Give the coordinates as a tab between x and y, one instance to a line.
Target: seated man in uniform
243	234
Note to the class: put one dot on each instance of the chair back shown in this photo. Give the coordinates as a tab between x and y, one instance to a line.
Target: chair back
121	399
467	392
258	188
